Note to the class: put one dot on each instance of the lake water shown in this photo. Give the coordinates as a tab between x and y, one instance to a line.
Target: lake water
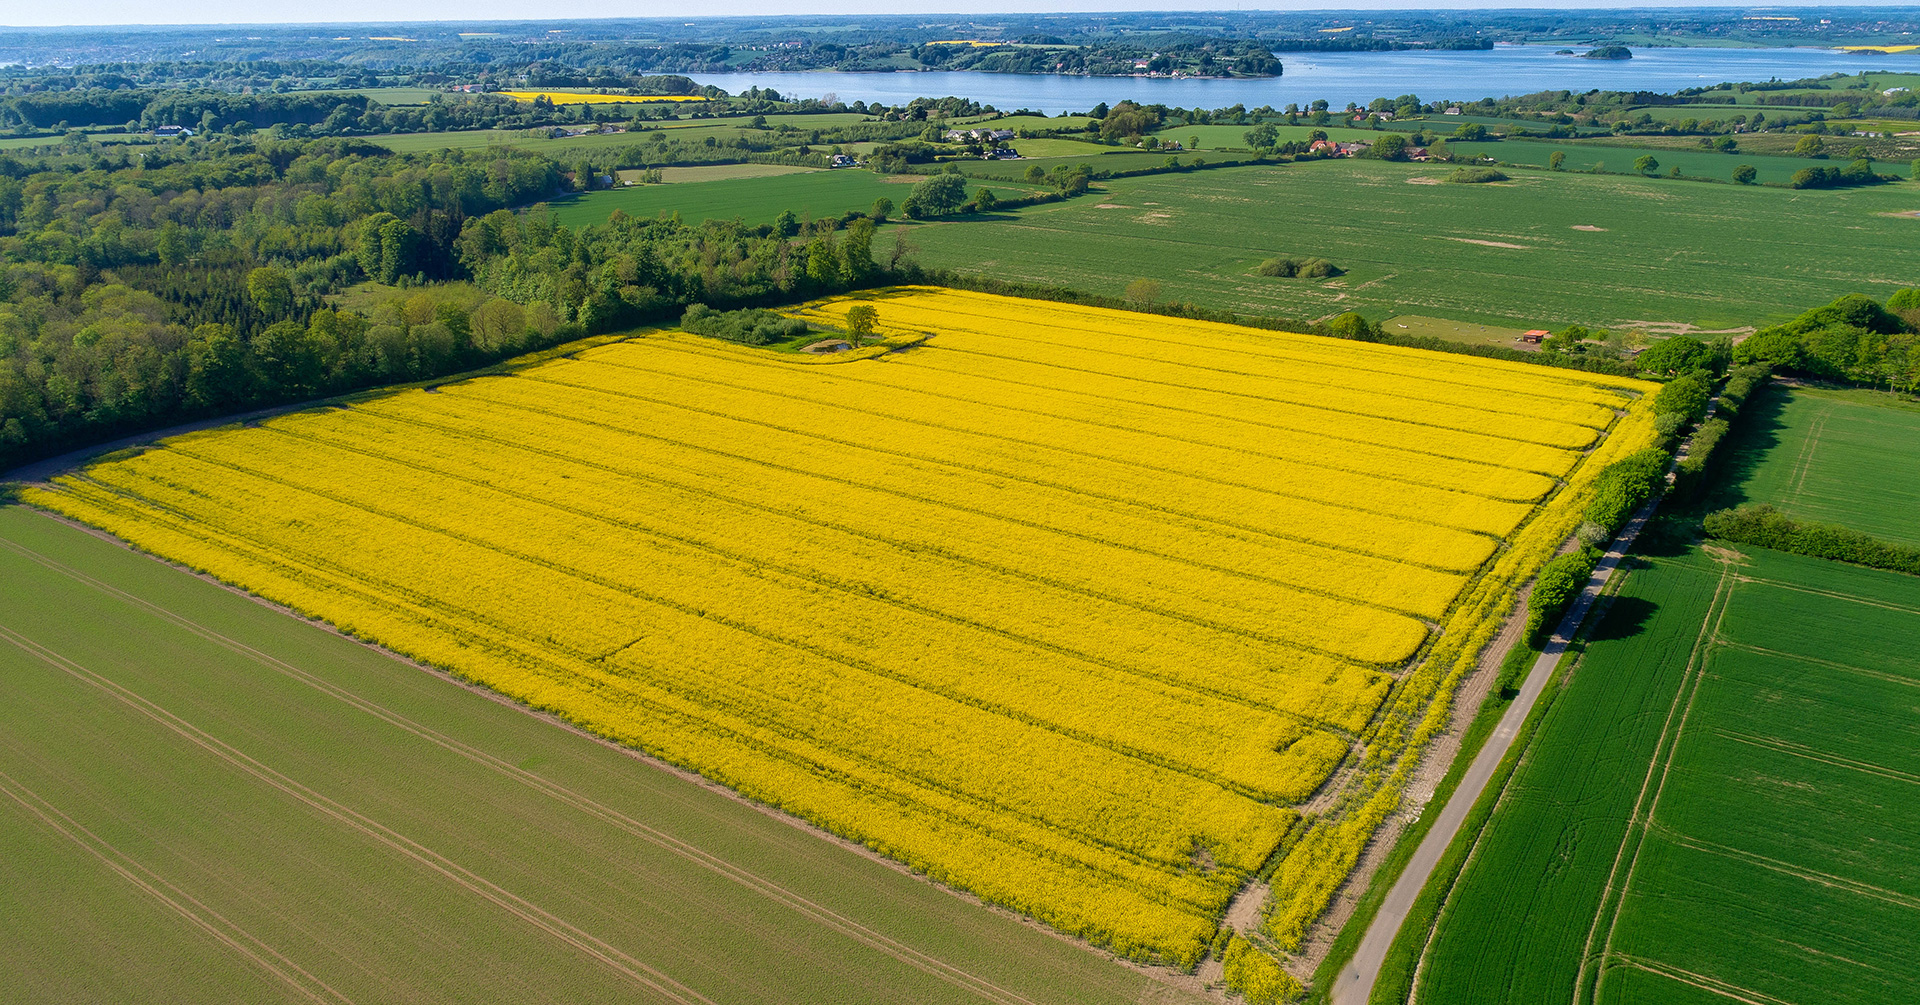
1339	77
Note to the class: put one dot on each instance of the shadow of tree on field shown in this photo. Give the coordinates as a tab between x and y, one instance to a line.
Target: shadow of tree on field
1625	618
1756	432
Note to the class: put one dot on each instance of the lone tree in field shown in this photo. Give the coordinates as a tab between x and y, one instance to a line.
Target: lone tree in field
1557	160
860	320
1143	291
1745	174
1646	164
937	196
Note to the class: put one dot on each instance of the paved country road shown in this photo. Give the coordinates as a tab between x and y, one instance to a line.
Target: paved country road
1356	980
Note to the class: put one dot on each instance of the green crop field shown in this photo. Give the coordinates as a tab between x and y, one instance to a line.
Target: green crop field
755	200
717	172
1454	331
204	799
1101	159
1753	717
1541	251
679	129
1846	457
1696	163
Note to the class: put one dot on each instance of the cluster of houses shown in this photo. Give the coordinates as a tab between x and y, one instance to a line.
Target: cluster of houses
978	135
1332	148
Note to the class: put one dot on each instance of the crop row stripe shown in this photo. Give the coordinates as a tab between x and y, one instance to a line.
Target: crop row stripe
860	375
1156	469
1280	344
621	589
1158	350
555	388
1112	743
515	905
1186	684
688	851
500	638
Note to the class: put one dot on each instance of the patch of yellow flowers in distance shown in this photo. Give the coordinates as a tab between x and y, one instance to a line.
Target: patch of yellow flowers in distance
1072	608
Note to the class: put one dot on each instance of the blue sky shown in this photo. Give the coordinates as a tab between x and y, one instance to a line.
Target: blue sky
107	12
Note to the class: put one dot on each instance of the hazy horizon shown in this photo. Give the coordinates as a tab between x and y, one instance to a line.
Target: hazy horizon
214	13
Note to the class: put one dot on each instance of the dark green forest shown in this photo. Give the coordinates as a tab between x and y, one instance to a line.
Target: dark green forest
134	294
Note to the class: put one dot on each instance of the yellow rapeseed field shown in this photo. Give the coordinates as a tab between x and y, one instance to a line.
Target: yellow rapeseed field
1071	608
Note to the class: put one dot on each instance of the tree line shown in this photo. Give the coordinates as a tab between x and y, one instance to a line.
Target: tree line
244	274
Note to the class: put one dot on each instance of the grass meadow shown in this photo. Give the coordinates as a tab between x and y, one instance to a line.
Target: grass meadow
1543	250
756	200
1849	457
1696	163
1752	716
245	807
537	140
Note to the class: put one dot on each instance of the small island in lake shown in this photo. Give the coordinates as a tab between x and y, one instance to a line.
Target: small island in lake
1609	52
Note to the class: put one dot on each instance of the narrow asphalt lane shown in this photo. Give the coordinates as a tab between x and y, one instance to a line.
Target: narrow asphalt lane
1355	983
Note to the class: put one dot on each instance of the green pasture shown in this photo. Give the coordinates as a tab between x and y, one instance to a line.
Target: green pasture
56	143
1033	122
1775	864
1455	331
717	172
1235	137
1109	159
1847	457
395	95
204	799
1705	113
1541	251
1695	163
812	194
678	129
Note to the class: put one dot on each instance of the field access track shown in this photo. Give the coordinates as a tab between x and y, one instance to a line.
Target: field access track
204	799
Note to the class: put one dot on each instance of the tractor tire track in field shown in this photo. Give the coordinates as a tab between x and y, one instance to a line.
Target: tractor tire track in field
1803	464
1891	678
1613	897
848	926
1701	981
1826	879
208	920
589	945
886	780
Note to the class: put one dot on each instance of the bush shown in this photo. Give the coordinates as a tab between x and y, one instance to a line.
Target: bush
1740	385
1624	486
936	196
1685	397
1288	268
1352	325
1559	582
1765	527
751	327
1475	175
